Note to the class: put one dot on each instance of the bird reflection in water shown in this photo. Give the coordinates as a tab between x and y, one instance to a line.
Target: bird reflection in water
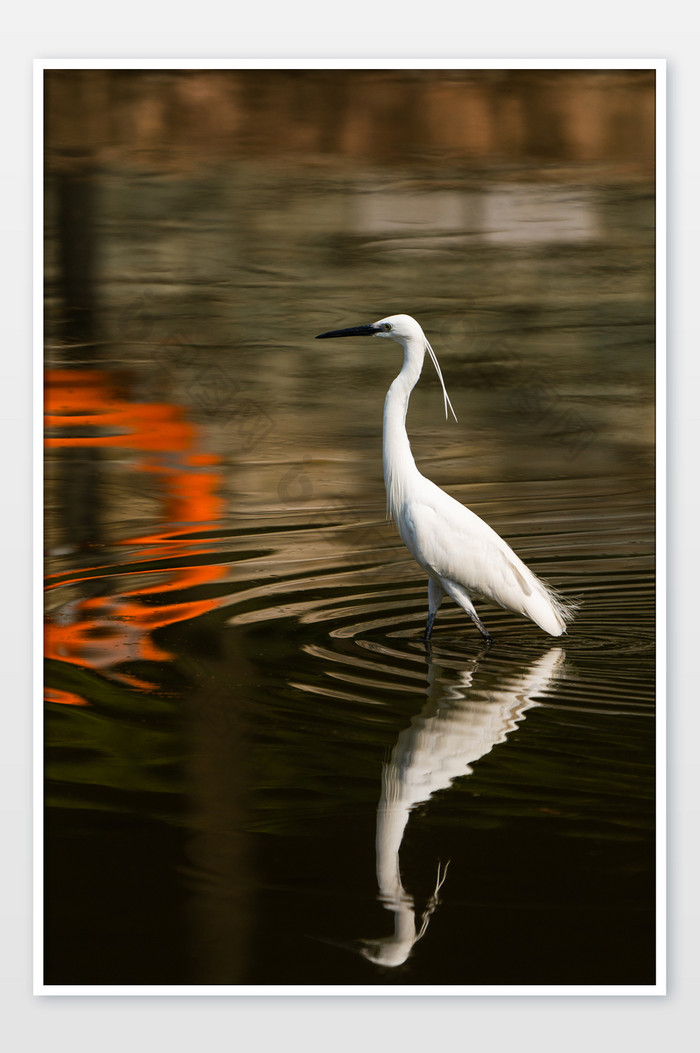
460	723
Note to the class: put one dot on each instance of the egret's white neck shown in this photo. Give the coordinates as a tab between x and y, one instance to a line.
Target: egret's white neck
399	466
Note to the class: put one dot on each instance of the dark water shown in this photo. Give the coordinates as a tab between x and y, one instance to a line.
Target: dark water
256	773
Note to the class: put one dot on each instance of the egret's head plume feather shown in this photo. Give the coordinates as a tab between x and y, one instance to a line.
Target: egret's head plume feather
433	356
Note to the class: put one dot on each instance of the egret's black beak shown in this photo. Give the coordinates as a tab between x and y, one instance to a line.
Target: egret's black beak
356	330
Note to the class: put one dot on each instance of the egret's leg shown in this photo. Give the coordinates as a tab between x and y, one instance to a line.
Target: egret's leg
464	600
482	628
435	595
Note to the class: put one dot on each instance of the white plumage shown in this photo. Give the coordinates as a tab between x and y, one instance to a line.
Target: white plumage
459	552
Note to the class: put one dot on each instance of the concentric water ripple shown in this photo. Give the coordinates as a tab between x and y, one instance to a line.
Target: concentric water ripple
349	601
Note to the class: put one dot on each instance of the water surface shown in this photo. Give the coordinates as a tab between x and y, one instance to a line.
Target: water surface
256	772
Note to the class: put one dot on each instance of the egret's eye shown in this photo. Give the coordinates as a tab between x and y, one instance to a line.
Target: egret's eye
386	327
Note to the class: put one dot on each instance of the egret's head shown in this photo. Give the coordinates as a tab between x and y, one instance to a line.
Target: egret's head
399	327
406	331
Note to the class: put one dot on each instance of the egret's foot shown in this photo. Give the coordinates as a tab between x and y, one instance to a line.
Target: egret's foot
482	628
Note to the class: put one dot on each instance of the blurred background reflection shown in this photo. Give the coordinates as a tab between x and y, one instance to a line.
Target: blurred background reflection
233	629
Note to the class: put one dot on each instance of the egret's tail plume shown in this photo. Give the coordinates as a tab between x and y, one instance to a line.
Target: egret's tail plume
555	612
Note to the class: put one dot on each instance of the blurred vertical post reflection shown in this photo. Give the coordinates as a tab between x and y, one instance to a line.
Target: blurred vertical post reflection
75	189
221	902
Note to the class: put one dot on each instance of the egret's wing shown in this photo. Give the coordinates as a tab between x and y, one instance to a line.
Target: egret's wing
452	542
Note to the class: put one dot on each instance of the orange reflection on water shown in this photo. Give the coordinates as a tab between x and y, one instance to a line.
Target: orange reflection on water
99	633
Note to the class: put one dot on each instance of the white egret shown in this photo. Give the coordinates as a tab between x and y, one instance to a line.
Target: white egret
461	554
